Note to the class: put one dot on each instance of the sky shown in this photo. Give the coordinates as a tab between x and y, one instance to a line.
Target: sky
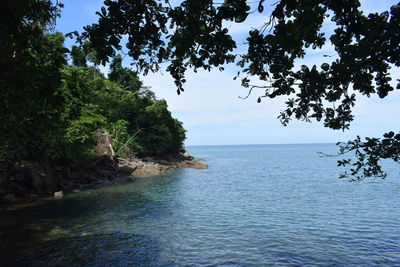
213	113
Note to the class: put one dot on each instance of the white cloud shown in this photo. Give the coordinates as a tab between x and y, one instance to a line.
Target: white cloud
210	104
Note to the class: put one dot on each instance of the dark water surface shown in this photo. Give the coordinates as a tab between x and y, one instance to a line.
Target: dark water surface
256	205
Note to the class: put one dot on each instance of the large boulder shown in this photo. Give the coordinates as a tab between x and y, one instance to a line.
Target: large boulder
37	179
31	179
104	145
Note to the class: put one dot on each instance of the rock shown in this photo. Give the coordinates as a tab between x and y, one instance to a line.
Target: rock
194	164
67	184
104	145
58	194
186	154
2	192
163	162
171	158
17	188
150	166
58	168
91	179
199	165
10	198
150	169
31	179
126	169
86	234
49	184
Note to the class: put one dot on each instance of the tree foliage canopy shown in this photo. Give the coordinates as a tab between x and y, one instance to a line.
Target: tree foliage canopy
193	34
51	109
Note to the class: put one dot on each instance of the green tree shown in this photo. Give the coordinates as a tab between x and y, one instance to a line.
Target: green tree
133	118
50	110
140	125
161	133
78	56
192	35
124	76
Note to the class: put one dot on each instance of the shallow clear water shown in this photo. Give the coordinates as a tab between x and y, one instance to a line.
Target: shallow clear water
256	205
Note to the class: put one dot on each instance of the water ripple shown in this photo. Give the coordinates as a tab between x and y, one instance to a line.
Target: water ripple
255	206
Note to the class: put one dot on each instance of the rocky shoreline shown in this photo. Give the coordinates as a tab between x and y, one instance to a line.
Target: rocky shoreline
155	166
34	180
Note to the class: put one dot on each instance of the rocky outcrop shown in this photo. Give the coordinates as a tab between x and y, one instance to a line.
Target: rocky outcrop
34	180
159	165
195	163
104	145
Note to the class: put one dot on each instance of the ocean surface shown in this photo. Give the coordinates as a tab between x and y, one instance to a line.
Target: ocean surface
256	205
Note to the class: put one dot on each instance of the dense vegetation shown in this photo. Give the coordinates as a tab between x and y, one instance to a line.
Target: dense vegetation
192	34
53	100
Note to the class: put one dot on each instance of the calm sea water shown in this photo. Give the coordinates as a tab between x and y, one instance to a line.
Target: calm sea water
256	205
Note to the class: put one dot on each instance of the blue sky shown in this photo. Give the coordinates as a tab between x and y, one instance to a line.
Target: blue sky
214	115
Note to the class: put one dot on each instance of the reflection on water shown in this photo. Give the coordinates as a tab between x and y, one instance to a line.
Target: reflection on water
255	205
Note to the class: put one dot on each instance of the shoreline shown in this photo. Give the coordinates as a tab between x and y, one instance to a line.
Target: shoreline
43	182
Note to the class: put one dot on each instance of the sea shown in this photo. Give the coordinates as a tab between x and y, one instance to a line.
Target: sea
256	205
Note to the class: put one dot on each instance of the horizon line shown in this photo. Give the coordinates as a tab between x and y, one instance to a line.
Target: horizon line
316	143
